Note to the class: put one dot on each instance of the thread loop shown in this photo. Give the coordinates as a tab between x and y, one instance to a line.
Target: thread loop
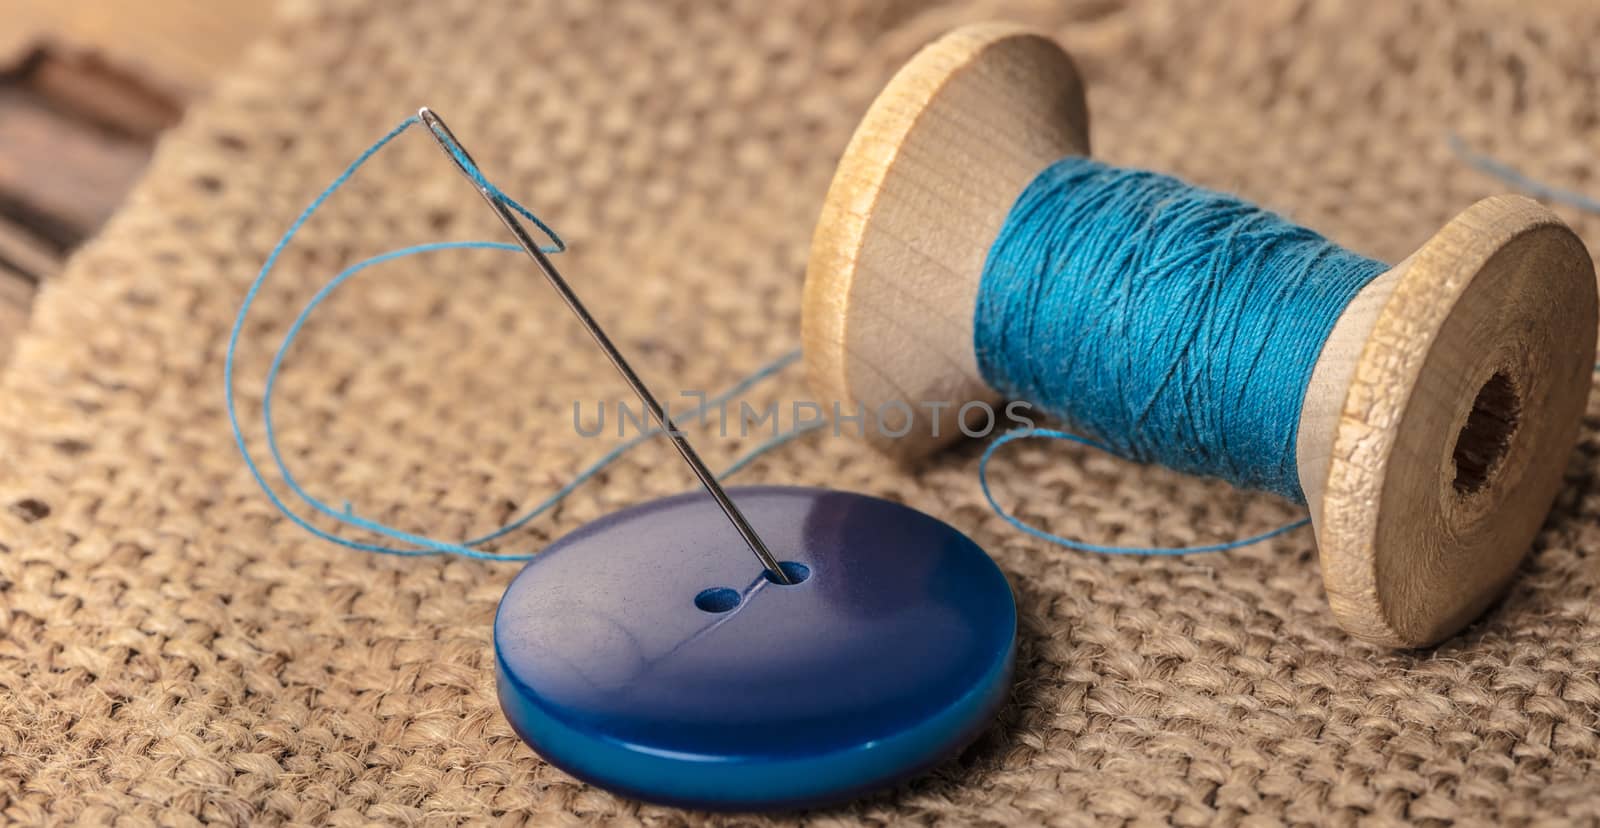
401	542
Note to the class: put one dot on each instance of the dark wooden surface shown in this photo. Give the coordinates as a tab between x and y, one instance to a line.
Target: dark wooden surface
86	89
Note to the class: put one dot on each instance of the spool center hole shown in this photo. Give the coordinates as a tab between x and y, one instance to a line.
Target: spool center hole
1486	437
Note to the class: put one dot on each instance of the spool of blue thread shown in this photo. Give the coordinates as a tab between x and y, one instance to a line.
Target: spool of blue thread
969	252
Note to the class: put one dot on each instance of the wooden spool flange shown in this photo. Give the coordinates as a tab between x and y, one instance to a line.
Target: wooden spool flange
1440	414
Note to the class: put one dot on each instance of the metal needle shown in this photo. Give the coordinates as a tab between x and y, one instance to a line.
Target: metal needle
447	142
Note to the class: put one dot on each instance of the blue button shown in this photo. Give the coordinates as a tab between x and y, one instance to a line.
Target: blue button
646	652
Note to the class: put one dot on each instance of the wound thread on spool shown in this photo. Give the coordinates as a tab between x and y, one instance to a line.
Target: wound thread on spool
1440	407
1174	324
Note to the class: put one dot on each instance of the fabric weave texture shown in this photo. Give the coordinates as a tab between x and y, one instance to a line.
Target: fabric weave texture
173	652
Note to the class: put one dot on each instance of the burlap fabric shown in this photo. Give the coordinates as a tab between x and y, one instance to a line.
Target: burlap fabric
172	651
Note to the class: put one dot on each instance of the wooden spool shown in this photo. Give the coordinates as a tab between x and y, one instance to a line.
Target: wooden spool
1441	412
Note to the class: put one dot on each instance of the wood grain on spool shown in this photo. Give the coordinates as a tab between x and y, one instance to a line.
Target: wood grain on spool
1439	415
920	194
1462	393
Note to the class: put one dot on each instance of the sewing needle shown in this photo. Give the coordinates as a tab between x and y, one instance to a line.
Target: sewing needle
447	141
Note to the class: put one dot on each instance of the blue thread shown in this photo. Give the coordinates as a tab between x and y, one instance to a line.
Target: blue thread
1532	186
1051	434
1155	197
1175	325
422	545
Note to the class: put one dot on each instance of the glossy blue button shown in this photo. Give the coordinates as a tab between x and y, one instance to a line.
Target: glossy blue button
646	652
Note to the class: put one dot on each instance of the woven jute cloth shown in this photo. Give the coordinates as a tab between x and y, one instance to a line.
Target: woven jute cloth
173	651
